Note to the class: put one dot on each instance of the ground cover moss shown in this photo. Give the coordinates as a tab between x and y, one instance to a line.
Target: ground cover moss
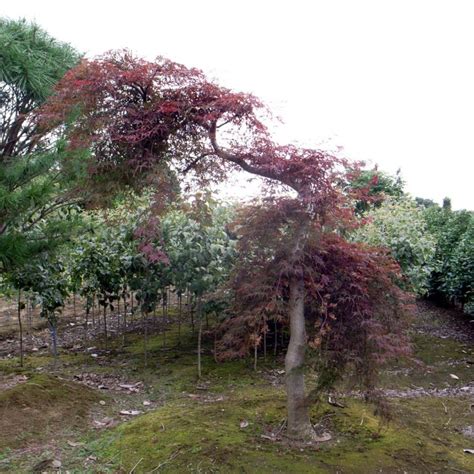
41	407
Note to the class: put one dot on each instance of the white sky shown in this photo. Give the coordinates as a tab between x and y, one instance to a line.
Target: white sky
390	81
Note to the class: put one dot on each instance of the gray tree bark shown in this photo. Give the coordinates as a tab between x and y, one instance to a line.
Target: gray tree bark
299	424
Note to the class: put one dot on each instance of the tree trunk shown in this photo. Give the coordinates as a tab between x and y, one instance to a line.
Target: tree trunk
215	347
93	311
20	325
145	341
125	309
199	337
255	356
105	327
180	310
299	424
86	322
265	341
119	323
29	315
164	312
52	329
192	313
275	345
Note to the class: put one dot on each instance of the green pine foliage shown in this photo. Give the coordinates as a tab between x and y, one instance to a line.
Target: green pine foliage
37	206
31	61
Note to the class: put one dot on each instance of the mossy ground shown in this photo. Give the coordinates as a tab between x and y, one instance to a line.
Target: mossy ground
42	407
193	436
436	359
194	425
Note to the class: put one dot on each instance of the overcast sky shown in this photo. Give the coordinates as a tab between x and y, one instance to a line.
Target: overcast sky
390	81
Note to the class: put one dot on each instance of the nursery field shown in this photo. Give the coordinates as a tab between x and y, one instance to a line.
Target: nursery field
181	290
96	410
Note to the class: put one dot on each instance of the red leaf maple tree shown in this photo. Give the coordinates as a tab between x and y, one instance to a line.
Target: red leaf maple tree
145	122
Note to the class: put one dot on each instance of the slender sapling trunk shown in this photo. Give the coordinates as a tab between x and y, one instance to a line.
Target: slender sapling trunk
145	340
20	325
199	337
180	301
105	326
275	345
255	355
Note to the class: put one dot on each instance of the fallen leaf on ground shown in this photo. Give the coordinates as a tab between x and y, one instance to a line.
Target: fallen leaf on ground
131	387
73	444
105	422
130	412
334	402
323	438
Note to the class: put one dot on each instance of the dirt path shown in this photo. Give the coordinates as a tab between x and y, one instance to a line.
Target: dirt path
443	323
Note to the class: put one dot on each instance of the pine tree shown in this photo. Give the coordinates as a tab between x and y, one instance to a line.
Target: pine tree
35	179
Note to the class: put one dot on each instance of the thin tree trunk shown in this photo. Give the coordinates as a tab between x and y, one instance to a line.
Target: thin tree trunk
29	315
86	323
215	346
299	424
52	329
125	309
180	300
163	316
20	325
216	358
192	313
187	301
119	322
255	355
145	341
265	341
105	326
275	346
199	337
93	311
